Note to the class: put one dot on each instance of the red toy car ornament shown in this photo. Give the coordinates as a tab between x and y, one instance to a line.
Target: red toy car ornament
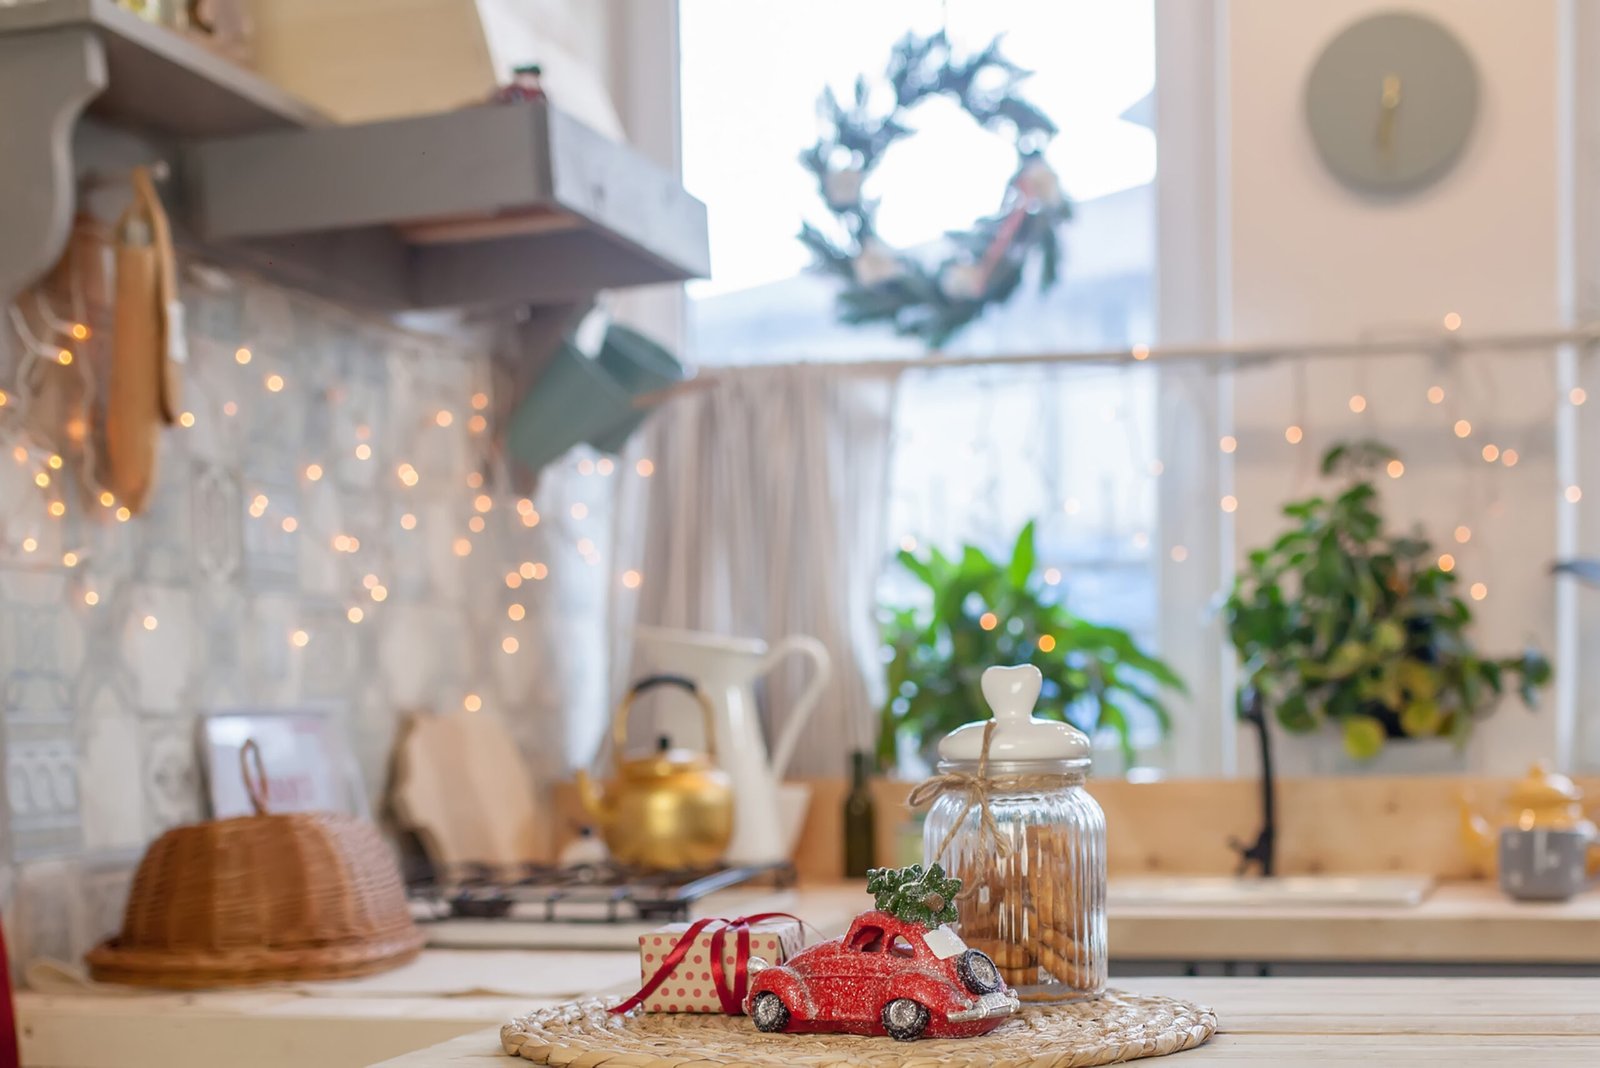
886	976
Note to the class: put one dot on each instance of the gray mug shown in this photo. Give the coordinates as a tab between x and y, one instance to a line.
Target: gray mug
1543	863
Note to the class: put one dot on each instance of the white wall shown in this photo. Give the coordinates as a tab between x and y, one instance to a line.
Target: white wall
1303	257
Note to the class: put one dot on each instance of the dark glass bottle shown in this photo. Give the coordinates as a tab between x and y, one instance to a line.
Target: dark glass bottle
860	833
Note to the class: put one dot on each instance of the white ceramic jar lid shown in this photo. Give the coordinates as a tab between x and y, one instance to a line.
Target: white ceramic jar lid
1018	736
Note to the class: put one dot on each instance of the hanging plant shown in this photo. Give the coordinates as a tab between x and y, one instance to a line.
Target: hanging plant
932	301
1339	621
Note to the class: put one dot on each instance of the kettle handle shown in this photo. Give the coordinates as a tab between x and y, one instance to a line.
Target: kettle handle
619	721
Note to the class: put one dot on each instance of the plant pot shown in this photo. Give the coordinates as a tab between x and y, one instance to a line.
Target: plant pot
1403	755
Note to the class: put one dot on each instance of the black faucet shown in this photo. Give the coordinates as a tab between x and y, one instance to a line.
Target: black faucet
1261	852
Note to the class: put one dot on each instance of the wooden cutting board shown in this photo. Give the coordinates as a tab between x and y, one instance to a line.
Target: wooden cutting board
462	787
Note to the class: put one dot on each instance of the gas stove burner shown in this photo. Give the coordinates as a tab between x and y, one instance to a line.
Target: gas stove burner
593	893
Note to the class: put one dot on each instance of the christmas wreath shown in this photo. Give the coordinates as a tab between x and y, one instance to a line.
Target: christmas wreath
923	299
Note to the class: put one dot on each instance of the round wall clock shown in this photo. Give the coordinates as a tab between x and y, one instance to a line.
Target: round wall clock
1391	103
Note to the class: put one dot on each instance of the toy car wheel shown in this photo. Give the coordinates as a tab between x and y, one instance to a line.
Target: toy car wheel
904	1019
769	1012
978	973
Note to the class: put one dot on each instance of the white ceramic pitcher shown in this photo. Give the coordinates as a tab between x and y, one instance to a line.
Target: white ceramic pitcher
726	670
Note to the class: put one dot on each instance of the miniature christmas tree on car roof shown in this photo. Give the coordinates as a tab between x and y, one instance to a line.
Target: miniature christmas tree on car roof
915	894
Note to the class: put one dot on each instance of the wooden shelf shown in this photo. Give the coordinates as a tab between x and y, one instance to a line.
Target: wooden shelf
160	81
493	202
494	205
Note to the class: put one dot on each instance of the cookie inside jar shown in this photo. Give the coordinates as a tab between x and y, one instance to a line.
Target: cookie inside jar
1009	815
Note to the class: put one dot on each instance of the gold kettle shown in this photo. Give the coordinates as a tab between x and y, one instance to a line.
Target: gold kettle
670	810
1543	798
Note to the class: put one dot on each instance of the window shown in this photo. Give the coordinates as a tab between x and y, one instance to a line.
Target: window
751	74
978	453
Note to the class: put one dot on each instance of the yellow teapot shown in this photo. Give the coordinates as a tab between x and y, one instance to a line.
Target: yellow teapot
1543	798
670	810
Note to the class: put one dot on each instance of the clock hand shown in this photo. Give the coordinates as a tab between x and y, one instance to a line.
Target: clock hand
1390	103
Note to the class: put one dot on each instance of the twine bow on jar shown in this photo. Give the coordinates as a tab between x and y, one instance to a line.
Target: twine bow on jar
975	787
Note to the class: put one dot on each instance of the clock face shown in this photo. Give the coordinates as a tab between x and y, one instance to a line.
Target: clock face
1391	103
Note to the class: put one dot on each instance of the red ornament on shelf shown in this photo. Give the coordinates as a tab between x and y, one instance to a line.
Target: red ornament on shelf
886	976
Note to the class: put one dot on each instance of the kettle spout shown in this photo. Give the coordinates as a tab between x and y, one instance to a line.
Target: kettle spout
594	802
1477	836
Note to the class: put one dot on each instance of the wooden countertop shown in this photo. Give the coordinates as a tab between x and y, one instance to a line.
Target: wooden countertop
1469	922
1320	1022
1460	922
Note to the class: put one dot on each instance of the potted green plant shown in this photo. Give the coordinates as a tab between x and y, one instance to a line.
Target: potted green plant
980	611
1341	622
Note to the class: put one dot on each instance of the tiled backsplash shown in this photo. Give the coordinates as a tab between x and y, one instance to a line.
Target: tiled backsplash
199	604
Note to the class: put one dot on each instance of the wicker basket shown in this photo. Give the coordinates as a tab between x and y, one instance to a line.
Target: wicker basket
261	898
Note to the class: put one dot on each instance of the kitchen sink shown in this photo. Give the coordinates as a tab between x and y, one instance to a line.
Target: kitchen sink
1317	891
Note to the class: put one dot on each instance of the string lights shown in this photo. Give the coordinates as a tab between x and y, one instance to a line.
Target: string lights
55	344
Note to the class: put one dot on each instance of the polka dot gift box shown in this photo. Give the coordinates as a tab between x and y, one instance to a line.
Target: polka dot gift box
705	966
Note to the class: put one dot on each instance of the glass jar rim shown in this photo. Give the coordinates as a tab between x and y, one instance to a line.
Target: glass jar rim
1005	769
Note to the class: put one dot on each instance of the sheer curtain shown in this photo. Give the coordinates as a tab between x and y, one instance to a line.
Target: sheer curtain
764	516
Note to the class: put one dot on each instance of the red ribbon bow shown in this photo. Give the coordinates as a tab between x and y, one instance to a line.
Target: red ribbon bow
731	995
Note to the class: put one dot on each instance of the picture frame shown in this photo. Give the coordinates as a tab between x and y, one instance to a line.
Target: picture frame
308	761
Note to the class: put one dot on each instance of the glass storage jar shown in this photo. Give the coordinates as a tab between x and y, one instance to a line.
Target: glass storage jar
1010	817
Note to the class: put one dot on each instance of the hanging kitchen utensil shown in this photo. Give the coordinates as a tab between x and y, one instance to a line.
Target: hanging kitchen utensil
148	348
640	366
584	397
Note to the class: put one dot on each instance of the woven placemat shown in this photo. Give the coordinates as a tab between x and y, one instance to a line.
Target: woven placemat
1117	1027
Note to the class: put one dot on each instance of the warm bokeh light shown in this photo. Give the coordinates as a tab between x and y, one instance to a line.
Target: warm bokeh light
988	621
